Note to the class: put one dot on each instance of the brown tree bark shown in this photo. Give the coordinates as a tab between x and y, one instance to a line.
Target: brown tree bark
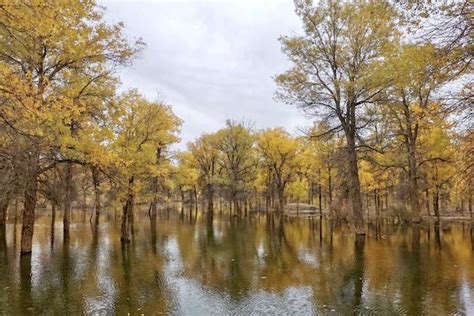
155	187
53	220
67	199
195	199
281	198
413	183
354	181
320	197
210	201
470	204
4	202
96	183
330	190
436	203
27	229
127	215
428	202
376	203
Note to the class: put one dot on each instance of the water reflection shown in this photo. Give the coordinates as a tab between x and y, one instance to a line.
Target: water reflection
190	265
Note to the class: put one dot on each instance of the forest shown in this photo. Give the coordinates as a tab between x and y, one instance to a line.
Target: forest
387	88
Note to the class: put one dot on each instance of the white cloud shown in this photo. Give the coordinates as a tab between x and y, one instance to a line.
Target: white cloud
212	60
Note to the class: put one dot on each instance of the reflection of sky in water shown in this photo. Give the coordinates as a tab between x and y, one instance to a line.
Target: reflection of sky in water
466	296
308	257
104	281
195	299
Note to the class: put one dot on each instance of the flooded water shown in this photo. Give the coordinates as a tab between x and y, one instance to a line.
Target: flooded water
247	266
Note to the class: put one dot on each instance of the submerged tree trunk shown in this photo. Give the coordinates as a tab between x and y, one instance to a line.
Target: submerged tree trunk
154	201
330	190
67	200
413	184
195	200
281	198
190	194
155	187
31	188
355	185
96	183
297	207
436	203
127	215
210	200
182	202
53	220
376	203
320	197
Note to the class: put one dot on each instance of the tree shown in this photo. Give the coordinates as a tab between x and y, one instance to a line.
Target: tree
336	69
53	58
237	159
141	126
278	151
438	154
464	168
418	73
205	150
186	176
321	151
298	189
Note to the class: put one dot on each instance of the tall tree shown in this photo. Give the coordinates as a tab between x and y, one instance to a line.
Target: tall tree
418	72
336	67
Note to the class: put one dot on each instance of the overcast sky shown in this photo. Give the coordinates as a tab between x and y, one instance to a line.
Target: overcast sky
211	60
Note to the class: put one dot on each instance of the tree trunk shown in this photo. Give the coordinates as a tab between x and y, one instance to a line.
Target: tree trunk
195	200
4	209
127	215
436	203
298	207
210	205
53	220
357	209
210	200
330	190
96	182
320	196
413	182
31	187
67	200
154	201
428	202
470	204
281	198
182	201
377	203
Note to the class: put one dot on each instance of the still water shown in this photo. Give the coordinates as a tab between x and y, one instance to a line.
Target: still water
247	266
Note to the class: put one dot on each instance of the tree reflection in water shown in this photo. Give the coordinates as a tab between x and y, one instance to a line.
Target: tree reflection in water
269	264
